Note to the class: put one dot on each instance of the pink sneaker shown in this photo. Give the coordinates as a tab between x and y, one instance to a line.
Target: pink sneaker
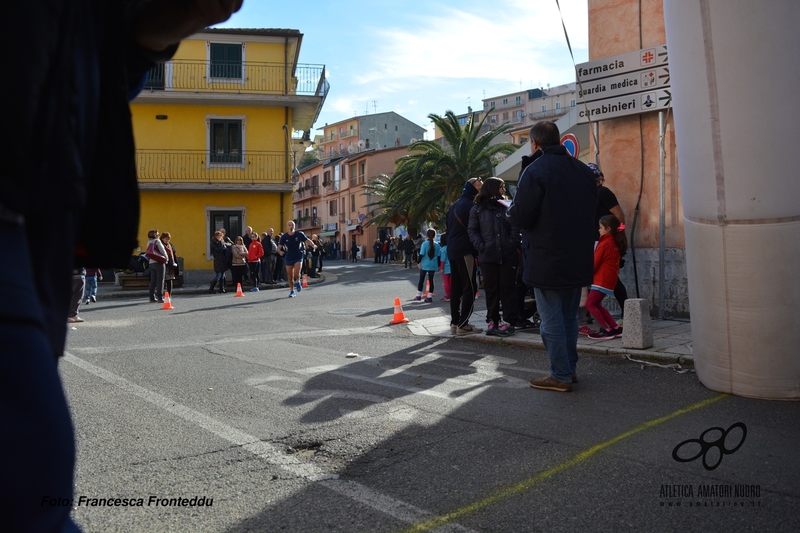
584	330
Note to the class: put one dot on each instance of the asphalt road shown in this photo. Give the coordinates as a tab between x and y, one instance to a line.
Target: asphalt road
313	414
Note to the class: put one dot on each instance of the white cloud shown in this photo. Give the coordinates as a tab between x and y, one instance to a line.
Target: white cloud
518	43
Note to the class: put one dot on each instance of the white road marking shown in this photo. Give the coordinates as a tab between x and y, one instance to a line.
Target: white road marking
270	453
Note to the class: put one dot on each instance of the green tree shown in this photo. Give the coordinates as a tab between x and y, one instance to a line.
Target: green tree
431	177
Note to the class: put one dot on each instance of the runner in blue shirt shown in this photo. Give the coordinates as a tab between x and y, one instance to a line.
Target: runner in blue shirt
292	247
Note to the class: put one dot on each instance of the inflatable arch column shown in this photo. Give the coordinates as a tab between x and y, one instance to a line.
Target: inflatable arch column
735	68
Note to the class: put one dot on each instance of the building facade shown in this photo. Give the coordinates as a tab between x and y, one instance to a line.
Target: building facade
337	207
219	129
367	132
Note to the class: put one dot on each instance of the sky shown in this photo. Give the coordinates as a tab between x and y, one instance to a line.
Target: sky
421	57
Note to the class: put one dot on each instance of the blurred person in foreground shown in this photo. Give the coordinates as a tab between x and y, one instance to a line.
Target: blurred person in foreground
73	172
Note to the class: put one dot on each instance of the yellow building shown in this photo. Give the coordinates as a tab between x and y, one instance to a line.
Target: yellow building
219	130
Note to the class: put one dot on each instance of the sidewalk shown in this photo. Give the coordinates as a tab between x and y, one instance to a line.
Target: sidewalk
672	340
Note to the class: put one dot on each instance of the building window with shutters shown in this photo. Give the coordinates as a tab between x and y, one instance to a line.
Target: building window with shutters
225	140
226	61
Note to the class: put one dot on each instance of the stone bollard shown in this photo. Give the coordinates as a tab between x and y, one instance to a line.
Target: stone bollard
637	331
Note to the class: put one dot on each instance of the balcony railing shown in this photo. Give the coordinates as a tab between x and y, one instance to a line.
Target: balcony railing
312	222
349	133
548	113
307	192
239	77
196	166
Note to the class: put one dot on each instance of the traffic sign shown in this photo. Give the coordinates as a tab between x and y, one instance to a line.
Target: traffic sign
632	82
631	104
570	142
647	58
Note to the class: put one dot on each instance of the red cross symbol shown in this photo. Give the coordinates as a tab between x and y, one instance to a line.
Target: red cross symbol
647	57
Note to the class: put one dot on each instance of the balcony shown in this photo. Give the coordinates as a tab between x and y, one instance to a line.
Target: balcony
350	133
181	81
240	77
196	166
309	223
311	191
548	113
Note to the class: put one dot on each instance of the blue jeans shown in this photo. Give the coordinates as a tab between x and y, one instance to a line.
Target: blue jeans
91	287
37	451
558	310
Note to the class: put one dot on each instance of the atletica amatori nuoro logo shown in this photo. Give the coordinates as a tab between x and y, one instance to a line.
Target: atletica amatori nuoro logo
679	453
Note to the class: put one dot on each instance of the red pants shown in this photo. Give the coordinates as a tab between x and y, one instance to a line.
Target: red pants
594	303
446	282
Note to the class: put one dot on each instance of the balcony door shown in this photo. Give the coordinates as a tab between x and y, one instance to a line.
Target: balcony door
226	60
230	221
226	141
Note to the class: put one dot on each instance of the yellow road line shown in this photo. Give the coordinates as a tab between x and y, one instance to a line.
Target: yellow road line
541	476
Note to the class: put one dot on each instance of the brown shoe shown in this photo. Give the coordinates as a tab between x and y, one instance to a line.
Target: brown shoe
549	383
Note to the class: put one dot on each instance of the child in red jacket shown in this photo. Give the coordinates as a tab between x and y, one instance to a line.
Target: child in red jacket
612	244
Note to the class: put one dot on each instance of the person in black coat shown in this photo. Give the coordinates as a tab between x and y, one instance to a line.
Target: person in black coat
497	243
554	205
461	253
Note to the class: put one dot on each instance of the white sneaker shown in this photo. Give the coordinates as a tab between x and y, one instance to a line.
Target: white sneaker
468	329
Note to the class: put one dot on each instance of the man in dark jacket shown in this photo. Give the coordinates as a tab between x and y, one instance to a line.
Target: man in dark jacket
554	205
73	173
461	254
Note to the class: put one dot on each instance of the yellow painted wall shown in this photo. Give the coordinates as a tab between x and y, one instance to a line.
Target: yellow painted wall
183	215
185	126
257	52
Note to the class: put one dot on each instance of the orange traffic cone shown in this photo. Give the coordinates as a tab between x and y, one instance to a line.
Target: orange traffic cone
305	282
167	302
399	315
239	293
427	289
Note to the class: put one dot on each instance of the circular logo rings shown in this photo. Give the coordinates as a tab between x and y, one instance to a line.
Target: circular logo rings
706	446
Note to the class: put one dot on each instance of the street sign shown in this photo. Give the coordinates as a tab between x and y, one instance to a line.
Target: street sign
655	56
631	104
570	142
632	82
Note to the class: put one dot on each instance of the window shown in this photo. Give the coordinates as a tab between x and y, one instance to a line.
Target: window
505	115
544	108
493	119
332	207
572	103
352	203
226	60
353	175
299	214
519	100
344	207
226	141
505	101
362	175
333	133
336	177
558	105
492	104
462	121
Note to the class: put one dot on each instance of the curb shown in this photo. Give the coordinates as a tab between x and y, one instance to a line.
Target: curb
118	293
537	343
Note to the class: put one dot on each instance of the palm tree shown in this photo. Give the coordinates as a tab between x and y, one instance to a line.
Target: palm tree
428	180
